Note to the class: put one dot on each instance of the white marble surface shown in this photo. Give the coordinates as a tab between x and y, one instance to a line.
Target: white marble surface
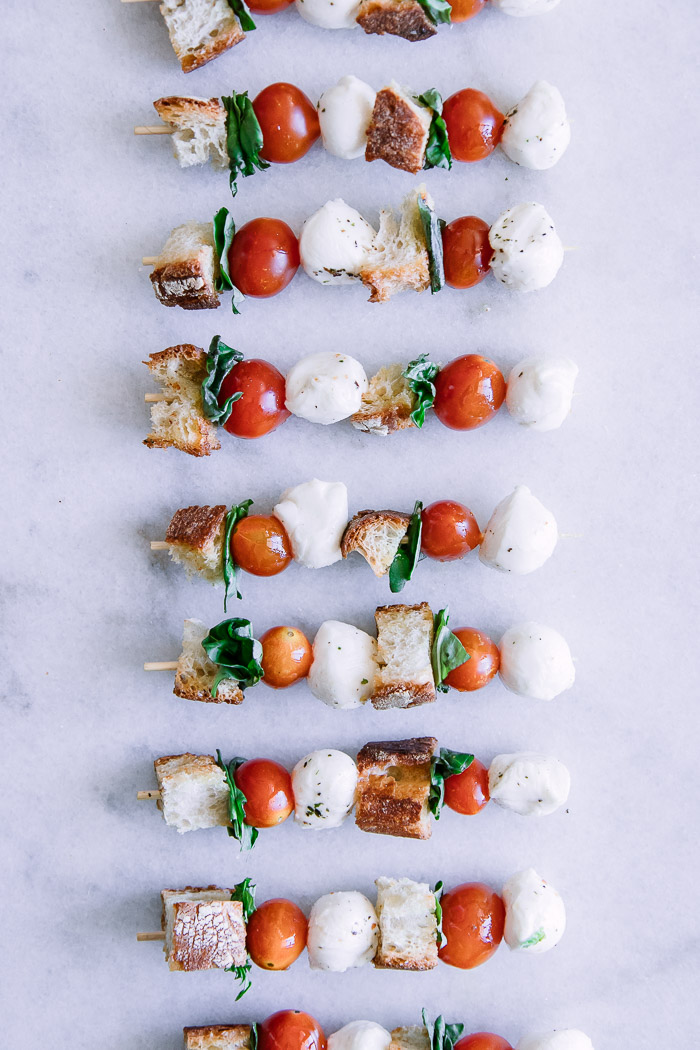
85	602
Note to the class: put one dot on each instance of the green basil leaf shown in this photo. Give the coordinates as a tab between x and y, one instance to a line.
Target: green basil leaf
244	138
443	765
420	375
242	975
229	567
235	651
254	1036
245	893
447	652
440	936
238	829
437	10
242	13
432	230
535	939
408	555
442	1036
224	232
220	360
437	152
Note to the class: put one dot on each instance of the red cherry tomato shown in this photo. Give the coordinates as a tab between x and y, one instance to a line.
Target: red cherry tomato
269	7
462	10
466	251
261	408
473	917
276	934
288	121
483	1041
291	1030
468	792
474	125
483	663
260	545
263	257
468	392
267	787
450	530
286	658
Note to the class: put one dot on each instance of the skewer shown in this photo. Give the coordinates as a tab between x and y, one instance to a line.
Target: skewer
149	260
160	935
159	545
152	129
146	796
151	399
161	665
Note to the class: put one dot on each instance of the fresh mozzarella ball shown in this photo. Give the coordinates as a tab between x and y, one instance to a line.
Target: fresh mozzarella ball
535	913
520	8
325	387
527	251
315	515
563	1039
343	932
535	661
520	535
539	391
344	665
528	783
344	113
537	131
324	785
335	243
329	14
360	1035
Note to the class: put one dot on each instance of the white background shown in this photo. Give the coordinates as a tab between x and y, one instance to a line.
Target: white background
86	602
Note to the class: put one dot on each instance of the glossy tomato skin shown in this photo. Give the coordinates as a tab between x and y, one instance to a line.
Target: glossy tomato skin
291	1030
463	10
474	125
468	792
287	656
288	121
269	7
469	390
267	787
261	408
260	545
473	917
466	251
276	934
263	257
483	1041
482	665
449	531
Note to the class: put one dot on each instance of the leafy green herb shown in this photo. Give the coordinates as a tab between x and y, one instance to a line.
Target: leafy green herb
254	1036
220	360
235	651
244	138
314	811
535	939
447	652
420	375
242	975
239	830
432	229
229	567
240	10
442	1036
440	936
245	893
408	555
437	10
224	232
445	764
437	153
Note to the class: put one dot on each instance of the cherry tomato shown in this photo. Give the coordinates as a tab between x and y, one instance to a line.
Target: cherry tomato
468	792
276	934
473	917
468	392
474	125
291	1030
289	123
483	663
261	408
286	656
269	7
466	251
462	10
263	257
483	1041
450	530
267	787
260	545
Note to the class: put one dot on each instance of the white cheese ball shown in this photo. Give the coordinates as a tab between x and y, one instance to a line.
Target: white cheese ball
324	784
315	515
540	390
563	1039
535	661
360	1035
522	8
528	783
535	913
343	932
536	130
329	14
335	243
325	387
527	251
520	535
344	665
344	113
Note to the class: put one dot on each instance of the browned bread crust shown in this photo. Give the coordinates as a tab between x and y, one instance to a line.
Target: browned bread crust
394	786
413	1038
178	386
228	691
404	18
395	133
218	1037
195	527
174	109
385	281
206	933
185	284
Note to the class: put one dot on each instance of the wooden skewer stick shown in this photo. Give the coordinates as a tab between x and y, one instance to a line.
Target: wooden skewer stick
153	129
159	545
149	260
160	935
151	399
161	665
145	796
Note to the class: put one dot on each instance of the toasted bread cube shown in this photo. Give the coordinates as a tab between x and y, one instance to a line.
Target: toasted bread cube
200	30
178	420
398	131
196	673
404	18
399	257
393	787
407	925
196	540
415	1037
404	676
218	1037
199	129
193	792
376	535
185	272
204	928
387	404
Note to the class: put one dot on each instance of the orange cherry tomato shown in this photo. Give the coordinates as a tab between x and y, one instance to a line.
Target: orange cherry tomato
288	121
263	257
267	787
450	530
260	545
483	1041
474	125
269	7
291	1030
287	656
466	251
473	917
468	392
261	408
462	10
468	792
483	663
276	934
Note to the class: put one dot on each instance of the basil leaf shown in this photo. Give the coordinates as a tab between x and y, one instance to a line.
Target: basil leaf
235	651
254	1036
437	152
437	10
420	375
239	830
224	232
242	13
220	360
447	652
443	765
245	893
242	975
535	939
432	230
408	555
440	936
244	138
442	1036
229	567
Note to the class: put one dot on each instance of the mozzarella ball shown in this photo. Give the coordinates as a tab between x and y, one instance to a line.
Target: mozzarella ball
360	1035
343	932
539	391
344	113
527	251
324	785
335	243
520	535
536	130
315	515
563	1039
344	665
535	661
528	783
329	14
535	913
521	8
325	387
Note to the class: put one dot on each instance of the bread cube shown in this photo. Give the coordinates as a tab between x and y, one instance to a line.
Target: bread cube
405	18
193	792
376	535
196	673
195	537
199	129
387	404
218	1037
204	929
404	676
394	786
399	129
407	925
178	420
185	272
399	259
200	30
415	1037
